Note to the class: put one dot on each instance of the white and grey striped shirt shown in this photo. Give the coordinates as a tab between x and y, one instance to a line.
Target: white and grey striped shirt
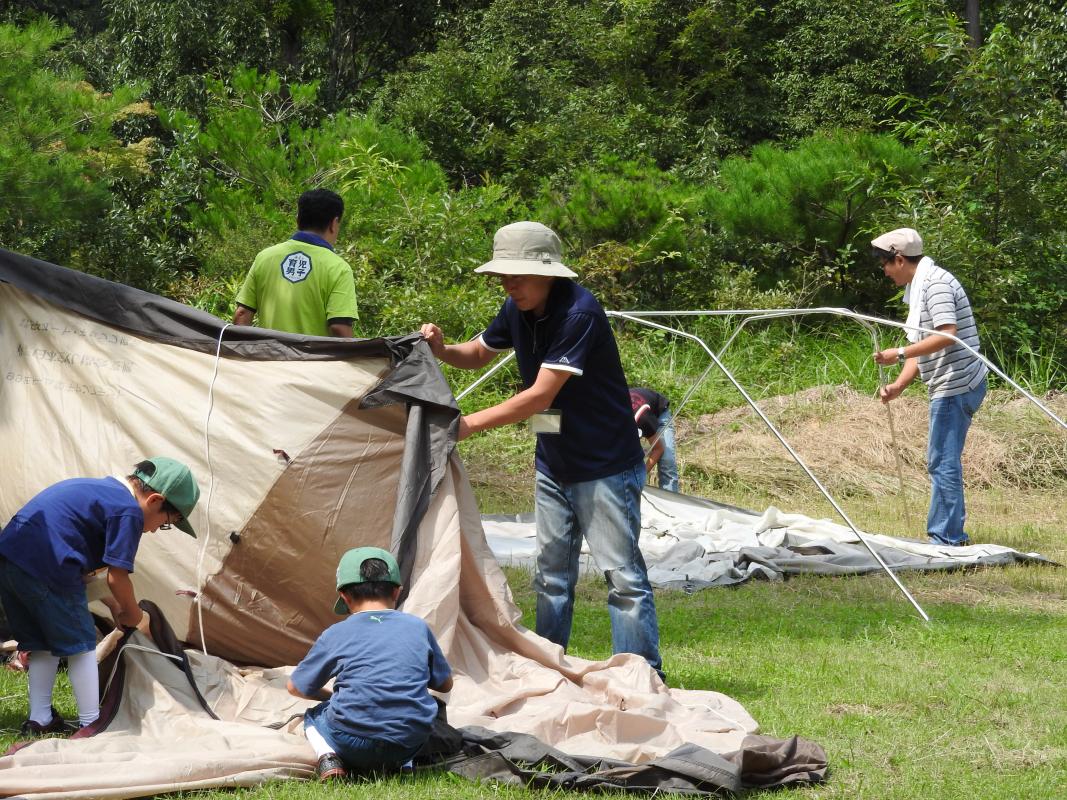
953	370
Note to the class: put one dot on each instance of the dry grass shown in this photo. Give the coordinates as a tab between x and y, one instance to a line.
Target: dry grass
846	439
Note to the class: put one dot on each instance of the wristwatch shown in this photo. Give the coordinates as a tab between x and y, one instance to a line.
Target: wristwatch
900	355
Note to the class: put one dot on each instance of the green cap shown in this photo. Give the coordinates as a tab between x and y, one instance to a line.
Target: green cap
349	570
174	481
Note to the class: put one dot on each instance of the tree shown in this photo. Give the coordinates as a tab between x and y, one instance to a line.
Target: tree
992	200
974	23
59	158
803	215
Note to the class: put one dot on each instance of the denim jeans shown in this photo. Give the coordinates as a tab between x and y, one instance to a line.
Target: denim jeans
42	618
359	754
607	512
667	466
950	418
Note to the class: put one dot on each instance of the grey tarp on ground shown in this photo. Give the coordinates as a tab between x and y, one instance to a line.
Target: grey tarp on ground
304	447
522	760
692	543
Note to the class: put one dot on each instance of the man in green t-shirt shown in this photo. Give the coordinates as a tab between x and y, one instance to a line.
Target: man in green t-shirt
302	285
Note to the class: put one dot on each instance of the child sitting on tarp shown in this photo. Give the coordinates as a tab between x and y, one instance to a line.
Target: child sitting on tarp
47	553
380	711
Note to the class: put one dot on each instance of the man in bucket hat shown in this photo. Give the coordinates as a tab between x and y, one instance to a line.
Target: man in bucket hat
49	550
954	376
590	467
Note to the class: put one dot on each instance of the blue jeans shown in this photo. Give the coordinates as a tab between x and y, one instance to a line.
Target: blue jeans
359	753
607	512
667	466
950	418
42	618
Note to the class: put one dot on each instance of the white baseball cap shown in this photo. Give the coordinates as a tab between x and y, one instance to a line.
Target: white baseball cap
905	241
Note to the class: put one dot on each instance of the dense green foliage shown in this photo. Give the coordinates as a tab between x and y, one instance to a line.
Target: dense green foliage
60	160
702	153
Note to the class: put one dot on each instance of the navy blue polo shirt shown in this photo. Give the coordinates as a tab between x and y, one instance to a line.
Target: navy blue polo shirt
74	527
598	435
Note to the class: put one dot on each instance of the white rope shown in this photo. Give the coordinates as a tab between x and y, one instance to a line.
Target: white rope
210	492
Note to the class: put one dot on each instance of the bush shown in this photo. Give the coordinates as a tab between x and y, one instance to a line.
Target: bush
410	239
802	216
65	174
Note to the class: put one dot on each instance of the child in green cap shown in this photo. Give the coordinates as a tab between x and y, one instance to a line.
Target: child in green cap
49	550
383	663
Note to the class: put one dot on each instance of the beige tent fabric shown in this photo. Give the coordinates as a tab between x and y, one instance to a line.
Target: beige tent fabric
161	739
519	682
507	679
79	397
339	492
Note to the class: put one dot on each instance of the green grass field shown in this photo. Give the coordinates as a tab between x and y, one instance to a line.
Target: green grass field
972	705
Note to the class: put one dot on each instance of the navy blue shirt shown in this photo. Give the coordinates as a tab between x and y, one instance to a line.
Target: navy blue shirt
598	435
382	662
74	527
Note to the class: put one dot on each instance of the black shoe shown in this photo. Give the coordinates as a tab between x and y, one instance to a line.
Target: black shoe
331	768
57	725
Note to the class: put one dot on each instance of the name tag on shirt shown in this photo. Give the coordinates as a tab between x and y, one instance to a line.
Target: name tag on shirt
546	421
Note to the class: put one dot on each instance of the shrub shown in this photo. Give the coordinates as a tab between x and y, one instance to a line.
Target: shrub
802	216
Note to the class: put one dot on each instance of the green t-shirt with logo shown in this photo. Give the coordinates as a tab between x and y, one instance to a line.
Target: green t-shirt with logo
296	286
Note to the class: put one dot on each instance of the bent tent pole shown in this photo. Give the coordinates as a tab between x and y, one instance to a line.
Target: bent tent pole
877	346
844	312
796	457
770	315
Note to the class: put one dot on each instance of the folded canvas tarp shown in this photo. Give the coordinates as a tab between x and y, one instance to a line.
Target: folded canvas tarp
691	543
304	447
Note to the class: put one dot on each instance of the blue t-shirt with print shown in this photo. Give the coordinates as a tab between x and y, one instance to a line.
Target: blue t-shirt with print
598	435
383	663
74	527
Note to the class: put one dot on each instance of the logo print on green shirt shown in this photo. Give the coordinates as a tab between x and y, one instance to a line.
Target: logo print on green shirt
296	267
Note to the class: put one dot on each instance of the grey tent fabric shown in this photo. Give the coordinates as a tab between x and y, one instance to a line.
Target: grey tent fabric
163	320
525	761
691	543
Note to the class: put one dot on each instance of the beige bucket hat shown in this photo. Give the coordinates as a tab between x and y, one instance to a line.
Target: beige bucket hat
527	248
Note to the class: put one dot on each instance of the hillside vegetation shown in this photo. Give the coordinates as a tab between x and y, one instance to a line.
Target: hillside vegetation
692	154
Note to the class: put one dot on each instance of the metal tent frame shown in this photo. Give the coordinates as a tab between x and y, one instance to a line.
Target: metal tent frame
870	323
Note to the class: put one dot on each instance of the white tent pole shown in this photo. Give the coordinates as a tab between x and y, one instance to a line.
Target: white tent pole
785	444
754	314
485	376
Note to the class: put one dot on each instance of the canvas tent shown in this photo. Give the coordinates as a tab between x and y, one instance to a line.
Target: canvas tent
303	447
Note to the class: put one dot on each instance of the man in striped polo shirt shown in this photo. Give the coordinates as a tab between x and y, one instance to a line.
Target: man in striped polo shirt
954	376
